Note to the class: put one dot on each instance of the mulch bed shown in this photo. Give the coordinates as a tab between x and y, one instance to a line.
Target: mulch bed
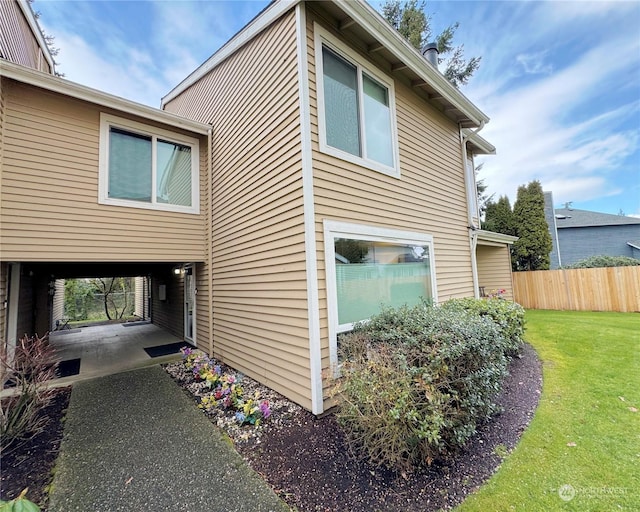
307	463
31	464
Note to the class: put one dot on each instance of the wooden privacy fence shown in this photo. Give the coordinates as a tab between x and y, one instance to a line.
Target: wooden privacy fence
585	289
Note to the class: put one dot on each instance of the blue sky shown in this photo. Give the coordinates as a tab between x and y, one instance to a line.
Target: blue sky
560	80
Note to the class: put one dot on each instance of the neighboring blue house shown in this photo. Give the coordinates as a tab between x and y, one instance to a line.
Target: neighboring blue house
578	234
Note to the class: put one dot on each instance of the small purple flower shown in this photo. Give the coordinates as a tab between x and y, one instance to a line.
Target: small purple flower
217	369
264	409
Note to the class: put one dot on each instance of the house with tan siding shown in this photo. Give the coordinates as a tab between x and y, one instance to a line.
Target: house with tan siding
70	207
335	176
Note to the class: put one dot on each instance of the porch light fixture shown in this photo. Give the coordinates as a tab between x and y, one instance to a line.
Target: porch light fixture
177	271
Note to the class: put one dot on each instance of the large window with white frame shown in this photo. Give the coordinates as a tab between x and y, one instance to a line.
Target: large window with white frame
146	167
368	268
356	108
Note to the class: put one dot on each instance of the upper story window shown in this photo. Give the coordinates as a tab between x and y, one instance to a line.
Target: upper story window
356	107
145	167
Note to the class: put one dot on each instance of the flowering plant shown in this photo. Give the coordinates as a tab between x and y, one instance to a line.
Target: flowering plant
226	389
188	356
253	411
498	293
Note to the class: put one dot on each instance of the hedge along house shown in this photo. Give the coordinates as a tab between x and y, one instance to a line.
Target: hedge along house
95	185
342	172
331	173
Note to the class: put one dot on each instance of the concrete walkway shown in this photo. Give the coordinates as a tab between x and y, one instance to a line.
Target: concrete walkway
135	441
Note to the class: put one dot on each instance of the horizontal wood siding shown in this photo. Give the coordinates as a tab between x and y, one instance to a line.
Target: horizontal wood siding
26	322
168	313
203	334
494	269
57	311
257	227
585	289
17	42
50	209
4	301
429	197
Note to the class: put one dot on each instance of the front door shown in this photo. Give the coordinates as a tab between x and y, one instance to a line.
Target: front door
190	303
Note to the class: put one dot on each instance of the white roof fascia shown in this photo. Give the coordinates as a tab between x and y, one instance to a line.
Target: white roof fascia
483	146
35	28
368	18
82	92
490	236
257	25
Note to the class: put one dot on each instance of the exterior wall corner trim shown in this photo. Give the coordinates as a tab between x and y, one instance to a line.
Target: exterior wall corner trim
313	305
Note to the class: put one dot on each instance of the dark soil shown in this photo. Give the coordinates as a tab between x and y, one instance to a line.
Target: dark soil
307	463
31	464
305	459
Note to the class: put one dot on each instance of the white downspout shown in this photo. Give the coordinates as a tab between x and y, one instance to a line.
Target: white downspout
209	237
473	236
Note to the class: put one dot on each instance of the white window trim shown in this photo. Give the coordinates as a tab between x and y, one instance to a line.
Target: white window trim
336	229
323	37
106	122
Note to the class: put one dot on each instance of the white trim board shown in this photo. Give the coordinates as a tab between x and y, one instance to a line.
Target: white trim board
313	304
81	92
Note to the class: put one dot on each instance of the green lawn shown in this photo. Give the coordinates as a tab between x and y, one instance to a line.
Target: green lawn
590	397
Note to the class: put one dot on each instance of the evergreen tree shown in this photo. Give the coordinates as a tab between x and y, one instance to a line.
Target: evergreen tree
410	20
531	250
499	217
481	188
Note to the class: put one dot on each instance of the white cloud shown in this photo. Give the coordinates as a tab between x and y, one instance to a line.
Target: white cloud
534	63
131	77
538	135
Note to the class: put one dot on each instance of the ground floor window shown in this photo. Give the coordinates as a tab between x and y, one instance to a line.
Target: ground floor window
369	268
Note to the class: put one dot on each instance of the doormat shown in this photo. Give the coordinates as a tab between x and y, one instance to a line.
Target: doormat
65	369
165	350
68	368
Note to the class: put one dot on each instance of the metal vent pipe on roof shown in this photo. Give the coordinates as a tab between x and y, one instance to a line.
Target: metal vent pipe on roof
430	53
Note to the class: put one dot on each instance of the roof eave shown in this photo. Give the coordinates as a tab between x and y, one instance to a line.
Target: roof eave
81	92
491	236
368	18
479	145
373	23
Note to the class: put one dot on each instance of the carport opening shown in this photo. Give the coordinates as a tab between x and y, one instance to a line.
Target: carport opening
100	300
146	307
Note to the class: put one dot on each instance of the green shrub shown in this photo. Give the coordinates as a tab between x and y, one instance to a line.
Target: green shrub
416	382
604	261
508	316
